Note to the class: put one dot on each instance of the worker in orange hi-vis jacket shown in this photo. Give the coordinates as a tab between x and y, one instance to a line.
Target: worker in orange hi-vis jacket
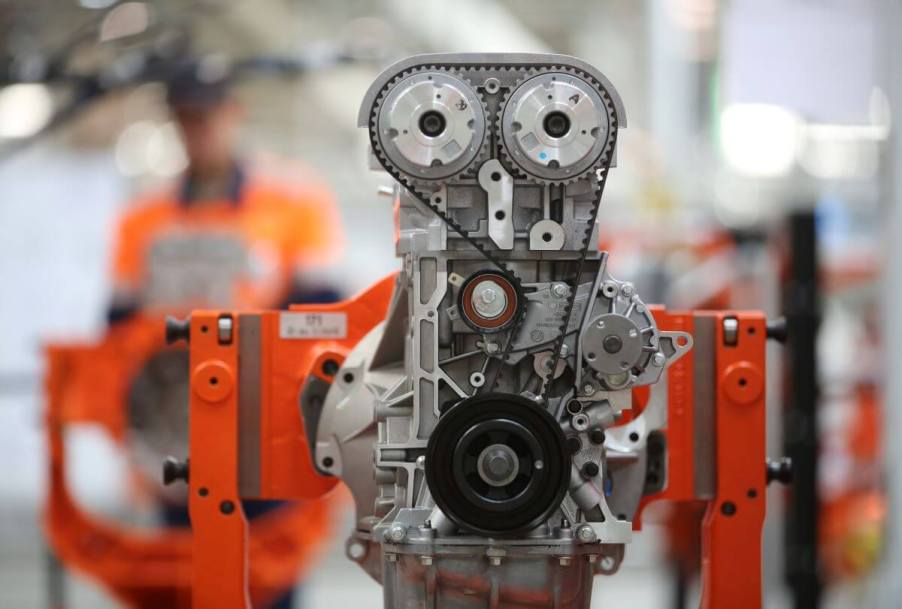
230	233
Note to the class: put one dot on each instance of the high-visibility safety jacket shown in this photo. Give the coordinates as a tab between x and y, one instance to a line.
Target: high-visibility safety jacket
245	251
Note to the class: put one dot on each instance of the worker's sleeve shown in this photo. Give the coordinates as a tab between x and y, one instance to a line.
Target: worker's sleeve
127	260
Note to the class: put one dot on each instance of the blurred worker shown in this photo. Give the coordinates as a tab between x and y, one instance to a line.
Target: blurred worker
229	234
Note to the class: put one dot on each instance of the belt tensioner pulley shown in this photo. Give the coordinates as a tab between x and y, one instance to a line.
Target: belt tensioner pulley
489	302
496	464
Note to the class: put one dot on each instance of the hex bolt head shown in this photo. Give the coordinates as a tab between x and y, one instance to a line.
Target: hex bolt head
596	435
659	359
586	534
396	533
590	469
574	445
559	290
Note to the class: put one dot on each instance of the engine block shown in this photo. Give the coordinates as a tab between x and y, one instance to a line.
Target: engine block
478	427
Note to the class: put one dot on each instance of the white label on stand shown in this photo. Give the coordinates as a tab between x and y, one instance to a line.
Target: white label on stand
294	324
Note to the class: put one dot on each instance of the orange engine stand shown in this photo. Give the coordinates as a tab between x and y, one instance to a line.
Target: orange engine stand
248	440
88	384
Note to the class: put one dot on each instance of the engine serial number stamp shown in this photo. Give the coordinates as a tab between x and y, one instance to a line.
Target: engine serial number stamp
298	325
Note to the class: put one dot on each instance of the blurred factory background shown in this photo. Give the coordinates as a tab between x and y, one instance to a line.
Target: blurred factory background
742	114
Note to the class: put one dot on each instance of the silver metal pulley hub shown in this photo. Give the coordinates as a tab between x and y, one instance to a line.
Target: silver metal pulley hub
555	126
431	125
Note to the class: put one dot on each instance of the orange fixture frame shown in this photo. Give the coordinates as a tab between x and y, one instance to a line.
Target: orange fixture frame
715	437
88	384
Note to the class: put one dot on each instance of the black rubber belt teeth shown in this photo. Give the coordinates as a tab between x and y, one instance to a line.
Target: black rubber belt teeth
603	168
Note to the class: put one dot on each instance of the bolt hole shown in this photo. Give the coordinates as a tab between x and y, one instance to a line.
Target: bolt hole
226	507
203	491
496	177
214	380
348	378
330	367
634	437
574	406
682	341
204	329
752	493
728	508
751	330
499	215
328	462
743	382
546	237
621	516
590	357
438	199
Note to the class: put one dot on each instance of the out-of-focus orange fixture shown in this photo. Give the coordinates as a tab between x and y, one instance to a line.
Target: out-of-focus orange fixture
88	384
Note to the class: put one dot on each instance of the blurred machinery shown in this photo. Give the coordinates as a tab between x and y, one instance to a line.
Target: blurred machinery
503	409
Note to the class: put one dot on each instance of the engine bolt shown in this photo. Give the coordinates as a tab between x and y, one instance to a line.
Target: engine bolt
659	359
559	290
612	343
492	348
590	469
585	533
588	389
596	436
574	445
627	289
396	533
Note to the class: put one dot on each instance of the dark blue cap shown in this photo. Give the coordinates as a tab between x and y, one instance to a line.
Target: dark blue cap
201	82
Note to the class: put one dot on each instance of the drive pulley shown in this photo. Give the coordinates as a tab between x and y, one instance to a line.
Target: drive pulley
496	464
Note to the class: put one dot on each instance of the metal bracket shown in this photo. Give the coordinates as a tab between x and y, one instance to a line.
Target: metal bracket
499	186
